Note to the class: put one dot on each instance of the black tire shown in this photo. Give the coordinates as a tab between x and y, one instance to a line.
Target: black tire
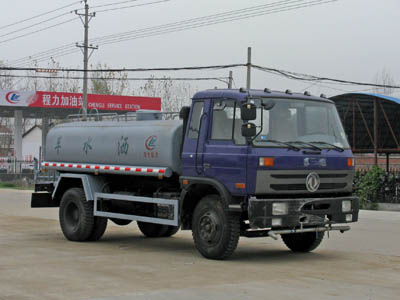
215	231
303	242
171	230
99	227
121	222
76	215
152	230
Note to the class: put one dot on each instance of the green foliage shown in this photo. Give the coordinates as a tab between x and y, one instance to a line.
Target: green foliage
7	185
108	83
368	185
10	185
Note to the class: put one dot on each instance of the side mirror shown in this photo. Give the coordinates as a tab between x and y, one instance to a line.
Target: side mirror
249	130
268	104
248	111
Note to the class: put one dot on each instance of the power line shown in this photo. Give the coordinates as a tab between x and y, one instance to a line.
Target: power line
50	19
194	68
223	79
167	28
130	6
36	31
203	24
113	3
41	54
72	46
254	11
40	15
199	19
38	23
313	78
287	74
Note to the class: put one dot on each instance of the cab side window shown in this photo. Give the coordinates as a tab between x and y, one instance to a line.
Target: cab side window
226	123
194	127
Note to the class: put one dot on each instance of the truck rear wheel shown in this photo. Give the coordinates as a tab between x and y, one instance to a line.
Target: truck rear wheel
121	222
171	230
215	231
99	227
152	230
303	242
76	215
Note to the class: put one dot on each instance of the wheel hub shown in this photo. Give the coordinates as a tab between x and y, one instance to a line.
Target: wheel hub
209	227
72	215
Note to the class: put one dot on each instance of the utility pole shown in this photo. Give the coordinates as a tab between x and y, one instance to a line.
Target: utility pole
376	131
248	83
230	79
85	18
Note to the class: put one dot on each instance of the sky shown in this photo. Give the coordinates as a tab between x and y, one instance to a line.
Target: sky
346	39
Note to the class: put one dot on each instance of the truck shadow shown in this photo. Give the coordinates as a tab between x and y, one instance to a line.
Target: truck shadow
137	241
268	255
183	245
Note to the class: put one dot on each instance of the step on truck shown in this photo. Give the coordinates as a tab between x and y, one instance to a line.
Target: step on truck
250	163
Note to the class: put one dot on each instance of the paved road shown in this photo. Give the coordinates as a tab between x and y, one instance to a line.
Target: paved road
36	262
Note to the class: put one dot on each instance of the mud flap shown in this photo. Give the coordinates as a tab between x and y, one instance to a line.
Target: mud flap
42	200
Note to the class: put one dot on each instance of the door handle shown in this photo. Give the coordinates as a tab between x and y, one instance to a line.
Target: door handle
206	165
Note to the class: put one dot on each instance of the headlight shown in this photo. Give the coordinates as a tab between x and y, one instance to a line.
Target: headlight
346	206
279	208
349	218
276	222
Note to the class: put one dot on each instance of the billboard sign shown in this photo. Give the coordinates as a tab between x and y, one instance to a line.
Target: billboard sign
75	100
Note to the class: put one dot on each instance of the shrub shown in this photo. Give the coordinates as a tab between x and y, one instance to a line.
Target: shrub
368	186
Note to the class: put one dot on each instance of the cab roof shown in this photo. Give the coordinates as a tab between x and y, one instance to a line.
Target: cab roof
241	94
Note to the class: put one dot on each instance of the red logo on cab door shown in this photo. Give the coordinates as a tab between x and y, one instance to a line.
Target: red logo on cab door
150	142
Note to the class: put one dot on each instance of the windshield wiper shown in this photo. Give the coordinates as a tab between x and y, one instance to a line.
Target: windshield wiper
308	144
337	148
290	146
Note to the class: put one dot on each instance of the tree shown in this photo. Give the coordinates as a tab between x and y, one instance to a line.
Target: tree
108	83
6	138
173	94
6	83
384	77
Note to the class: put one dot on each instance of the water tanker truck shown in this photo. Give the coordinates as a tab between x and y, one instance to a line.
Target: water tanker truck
250	163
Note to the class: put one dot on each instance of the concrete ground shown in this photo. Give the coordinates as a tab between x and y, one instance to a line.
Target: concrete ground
36	262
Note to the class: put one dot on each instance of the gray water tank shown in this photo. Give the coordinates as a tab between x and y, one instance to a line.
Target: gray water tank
133	143
143	115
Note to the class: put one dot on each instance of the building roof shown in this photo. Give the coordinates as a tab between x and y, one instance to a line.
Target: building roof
368	95
357	114
31	129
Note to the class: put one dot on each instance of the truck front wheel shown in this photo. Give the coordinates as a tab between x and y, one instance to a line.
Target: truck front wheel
99	227
303	242
215	231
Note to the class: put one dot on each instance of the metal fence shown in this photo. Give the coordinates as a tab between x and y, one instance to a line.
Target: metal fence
13	166
390	190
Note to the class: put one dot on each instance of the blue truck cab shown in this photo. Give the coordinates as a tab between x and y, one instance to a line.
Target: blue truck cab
276	163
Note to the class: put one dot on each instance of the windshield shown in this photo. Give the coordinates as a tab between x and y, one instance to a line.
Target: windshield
299	121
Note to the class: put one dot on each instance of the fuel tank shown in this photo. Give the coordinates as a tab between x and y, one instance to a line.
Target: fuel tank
155	143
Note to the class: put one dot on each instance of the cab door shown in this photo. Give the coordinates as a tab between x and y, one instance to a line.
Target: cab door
195	137
225	150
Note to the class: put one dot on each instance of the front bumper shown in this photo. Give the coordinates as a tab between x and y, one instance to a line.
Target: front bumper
301	212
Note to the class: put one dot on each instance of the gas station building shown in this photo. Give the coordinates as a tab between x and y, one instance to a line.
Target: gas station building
58	105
